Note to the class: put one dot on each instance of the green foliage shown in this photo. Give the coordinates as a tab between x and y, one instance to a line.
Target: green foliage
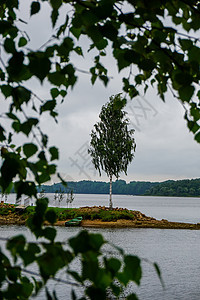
161	53
119	187
87	214
139	35
112	143
178	188
62	214
6	209
105	275
35	7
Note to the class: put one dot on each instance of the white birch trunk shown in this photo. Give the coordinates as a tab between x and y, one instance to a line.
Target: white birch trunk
110	202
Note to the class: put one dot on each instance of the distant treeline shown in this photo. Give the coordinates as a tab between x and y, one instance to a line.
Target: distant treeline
99	187
179	188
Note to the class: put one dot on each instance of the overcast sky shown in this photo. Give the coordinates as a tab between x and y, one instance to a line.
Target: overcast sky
165	148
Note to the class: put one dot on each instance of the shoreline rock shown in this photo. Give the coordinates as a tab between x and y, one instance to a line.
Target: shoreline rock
157	224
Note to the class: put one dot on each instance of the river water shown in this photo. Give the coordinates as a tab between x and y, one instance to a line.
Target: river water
176	251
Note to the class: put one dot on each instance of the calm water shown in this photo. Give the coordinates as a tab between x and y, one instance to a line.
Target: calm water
176	251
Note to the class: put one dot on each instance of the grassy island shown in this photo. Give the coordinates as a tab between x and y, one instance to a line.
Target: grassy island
96	216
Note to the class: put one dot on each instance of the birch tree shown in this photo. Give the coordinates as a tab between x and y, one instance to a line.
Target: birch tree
160	39
112	144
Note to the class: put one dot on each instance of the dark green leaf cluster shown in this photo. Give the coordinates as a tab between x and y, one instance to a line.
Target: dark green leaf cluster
108	278
102	276
112	143
155	37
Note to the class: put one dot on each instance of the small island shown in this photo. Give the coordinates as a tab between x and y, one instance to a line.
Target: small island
96	217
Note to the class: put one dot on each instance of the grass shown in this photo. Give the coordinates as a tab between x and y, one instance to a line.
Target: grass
6	209
88	213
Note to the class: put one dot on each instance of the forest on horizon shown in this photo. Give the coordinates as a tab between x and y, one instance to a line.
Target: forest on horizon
176	188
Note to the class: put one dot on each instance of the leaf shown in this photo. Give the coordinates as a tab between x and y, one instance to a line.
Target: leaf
27	287
48	106
54	92
194	54
6	90
54	16
15	66
122	58
78	50
57	78
85	242
7	28
54	153
29	149
9	170
20	95
53	259
63	93
51	216
132	297
49	233
105	79
184	79
22	42
95	293
16	245
101	44
186	44
113	265
35	8
9	45
193	126
186	92
64	183
13	273
159	274
29	254
2	135
132	270
26	127
39	64
25	188
75	31
197	137
63	27
12	116
56	4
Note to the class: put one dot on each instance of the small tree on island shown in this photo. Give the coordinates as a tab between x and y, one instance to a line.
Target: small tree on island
112	144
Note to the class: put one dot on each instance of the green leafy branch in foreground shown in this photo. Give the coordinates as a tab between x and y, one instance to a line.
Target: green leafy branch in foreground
165	56
101	276
153	38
